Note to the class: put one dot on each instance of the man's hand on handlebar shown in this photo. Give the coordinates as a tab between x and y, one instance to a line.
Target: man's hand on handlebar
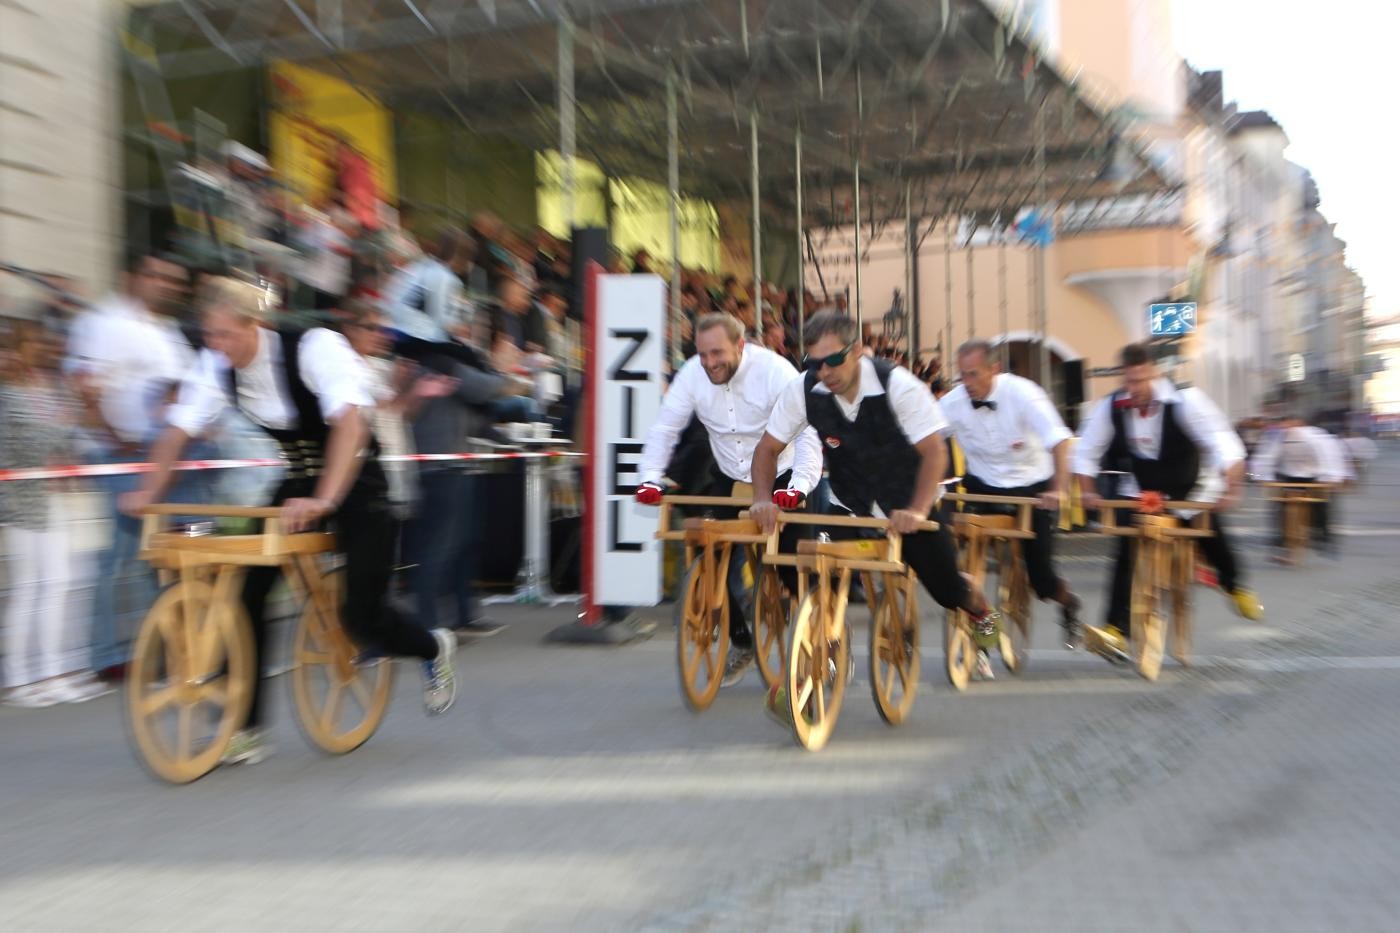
650	493
301	514
906	521
135	502
789	499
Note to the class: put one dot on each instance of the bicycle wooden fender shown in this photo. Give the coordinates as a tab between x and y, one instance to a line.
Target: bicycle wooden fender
997	535
819	643
1164	566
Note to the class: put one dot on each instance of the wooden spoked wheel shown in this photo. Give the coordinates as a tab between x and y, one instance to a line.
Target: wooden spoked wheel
817	663
1014	601
894	647
339	704
1183	576
959	650
770	619
191	677
702	634
1148	627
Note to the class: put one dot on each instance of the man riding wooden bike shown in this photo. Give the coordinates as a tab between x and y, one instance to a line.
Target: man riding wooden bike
880	430
1179	446
308	390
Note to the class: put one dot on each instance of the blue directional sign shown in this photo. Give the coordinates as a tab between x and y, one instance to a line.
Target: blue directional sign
1171	319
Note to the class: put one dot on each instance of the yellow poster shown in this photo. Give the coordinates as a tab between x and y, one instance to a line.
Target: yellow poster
323	130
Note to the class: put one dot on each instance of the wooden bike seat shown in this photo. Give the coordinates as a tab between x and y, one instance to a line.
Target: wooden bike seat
991	526
703	531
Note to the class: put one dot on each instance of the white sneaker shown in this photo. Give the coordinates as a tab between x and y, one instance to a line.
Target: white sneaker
33	696
247	747
439	676
81	687
984	666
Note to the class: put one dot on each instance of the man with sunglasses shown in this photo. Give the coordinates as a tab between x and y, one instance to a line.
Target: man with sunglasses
731	385
881	433
1016	445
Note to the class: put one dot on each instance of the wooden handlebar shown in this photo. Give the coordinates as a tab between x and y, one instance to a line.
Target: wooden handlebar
214	511
1136	505
979	499
845	521
720	502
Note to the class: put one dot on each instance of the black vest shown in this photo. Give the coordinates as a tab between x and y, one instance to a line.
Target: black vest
303	445
869	459
1178	465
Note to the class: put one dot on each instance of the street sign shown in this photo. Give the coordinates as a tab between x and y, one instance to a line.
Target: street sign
1171	318
1296	369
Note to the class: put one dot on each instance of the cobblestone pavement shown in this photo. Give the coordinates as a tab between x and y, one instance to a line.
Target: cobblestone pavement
569	789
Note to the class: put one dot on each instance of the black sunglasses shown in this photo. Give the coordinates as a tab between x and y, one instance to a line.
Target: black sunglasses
831	360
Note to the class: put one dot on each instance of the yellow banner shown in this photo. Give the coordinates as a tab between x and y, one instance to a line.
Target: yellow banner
323	129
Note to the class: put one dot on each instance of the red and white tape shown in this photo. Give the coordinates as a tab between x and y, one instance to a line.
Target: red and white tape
70	471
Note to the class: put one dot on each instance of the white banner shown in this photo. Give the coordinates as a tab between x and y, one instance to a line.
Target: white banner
629	350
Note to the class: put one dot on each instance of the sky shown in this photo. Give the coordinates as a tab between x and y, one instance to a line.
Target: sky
1327	72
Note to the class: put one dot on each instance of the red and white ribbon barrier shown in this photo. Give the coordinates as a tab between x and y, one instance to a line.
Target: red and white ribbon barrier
70	471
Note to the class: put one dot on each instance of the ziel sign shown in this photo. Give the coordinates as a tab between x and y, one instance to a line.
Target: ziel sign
1171	319
628	315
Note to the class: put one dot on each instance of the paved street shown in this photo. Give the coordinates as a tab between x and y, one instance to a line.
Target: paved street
570	789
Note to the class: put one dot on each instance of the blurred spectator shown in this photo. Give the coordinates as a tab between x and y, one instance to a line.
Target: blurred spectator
775	338
126	355
328	253
1360	450
443	542
398	391
512	306
43	644
423	298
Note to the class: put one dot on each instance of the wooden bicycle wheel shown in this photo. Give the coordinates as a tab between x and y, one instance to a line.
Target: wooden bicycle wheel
959	650
817	668
1014	601
1148	628
191	679
1183	576
770	620
702	634
324	672
894	649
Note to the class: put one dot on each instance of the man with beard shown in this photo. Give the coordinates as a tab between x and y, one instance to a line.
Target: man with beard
731	385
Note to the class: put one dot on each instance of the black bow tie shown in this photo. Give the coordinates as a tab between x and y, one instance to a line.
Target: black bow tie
983	403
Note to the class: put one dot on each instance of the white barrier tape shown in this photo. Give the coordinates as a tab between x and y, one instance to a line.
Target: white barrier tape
122	469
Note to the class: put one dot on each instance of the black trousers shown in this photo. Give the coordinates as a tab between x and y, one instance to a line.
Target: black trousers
934	558
1318	517
740	598
444	546
1038	552
1218	552
365	534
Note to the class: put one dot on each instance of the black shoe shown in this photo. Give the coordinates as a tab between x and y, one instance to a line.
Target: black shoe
481	627
1069	623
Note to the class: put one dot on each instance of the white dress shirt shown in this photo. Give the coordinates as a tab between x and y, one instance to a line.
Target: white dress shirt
1009	445
333	371
135	357
1218	445
1305	452
913	405
735	415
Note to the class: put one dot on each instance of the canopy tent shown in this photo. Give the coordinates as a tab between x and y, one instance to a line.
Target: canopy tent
947	96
